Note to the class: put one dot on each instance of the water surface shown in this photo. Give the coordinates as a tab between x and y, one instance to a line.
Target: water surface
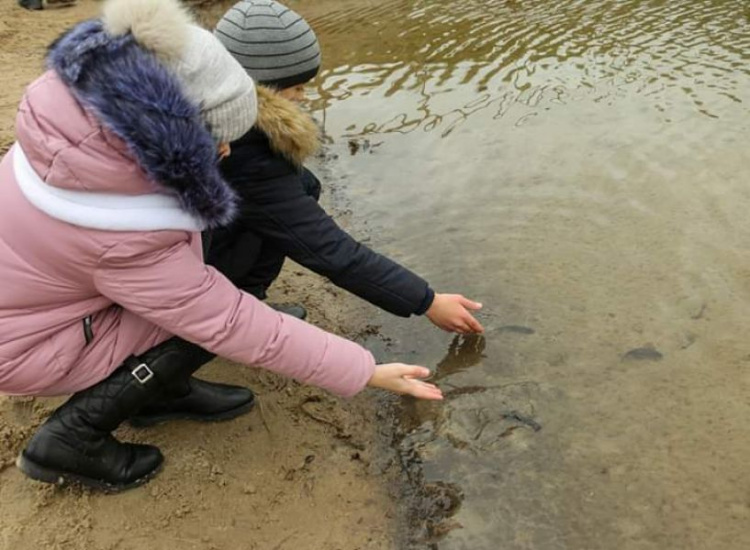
581	167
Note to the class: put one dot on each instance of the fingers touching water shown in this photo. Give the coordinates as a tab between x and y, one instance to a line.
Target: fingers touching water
452	313
405	380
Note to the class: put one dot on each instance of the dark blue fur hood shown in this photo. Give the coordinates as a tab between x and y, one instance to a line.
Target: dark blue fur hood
142	102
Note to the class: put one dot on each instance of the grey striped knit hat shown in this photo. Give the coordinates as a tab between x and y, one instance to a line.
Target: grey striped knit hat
275	45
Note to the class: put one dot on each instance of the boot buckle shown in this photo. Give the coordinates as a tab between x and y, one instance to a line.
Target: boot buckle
142	373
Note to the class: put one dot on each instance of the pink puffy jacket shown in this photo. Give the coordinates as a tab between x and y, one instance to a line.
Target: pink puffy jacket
139	286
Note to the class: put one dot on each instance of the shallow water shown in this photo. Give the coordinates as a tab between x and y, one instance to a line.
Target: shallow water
581	167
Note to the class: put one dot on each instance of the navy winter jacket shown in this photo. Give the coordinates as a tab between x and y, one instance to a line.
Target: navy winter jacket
279	210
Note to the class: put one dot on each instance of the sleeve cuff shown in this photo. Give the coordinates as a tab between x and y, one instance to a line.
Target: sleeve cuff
426	303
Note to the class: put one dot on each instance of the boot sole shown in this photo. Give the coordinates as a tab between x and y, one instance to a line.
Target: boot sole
61	478
148	421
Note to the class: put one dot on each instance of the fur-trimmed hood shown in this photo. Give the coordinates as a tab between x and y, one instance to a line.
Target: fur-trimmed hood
137	99
290	130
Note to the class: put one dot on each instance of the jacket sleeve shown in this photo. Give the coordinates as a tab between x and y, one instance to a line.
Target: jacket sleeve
280	211
161	277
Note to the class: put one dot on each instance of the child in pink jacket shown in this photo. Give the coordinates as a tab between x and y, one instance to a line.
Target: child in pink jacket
105	294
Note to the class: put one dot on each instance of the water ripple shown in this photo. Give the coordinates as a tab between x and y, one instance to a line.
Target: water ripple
535	55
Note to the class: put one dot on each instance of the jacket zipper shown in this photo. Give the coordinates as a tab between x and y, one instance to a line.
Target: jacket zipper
88	331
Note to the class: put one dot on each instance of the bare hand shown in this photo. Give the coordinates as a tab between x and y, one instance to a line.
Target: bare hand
450	312
402	379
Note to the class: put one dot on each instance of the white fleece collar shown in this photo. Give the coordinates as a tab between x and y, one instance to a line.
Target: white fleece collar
104	211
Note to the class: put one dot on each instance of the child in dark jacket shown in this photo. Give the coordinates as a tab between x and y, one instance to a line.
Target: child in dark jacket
280	215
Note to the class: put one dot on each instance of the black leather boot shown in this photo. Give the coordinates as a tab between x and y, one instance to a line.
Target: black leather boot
187	398
76	445
199	400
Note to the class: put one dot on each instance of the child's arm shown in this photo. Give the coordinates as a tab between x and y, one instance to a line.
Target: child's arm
293	223
283	214
166	283
160	277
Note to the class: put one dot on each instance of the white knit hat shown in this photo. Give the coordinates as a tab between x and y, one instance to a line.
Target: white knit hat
219	84
211	77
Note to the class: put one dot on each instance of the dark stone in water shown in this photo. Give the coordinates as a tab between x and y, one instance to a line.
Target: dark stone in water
523	419
517	329
643	354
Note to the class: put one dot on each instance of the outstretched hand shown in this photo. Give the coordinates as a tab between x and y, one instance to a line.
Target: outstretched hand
403	379
452	313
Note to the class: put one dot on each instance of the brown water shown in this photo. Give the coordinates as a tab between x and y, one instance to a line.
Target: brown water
582	168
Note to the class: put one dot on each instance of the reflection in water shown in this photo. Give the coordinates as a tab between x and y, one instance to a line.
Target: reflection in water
581	168
463	353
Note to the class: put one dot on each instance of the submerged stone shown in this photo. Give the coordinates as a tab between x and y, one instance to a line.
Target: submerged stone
647	353
517	329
